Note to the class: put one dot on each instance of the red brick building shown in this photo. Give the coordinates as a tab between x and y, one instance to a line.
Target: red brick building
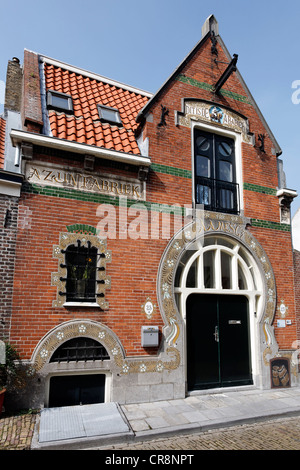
152	251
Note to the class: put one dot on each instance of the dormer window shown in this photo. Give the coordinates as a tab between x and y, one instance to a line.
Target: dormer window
59	101
109	115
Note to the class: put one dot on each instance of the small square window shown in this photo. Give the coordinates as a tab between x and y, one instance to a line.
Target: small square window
59	101
109	115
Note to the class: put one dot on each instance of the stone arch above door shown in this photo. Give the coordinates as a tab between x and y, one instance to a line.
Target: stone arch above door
210	224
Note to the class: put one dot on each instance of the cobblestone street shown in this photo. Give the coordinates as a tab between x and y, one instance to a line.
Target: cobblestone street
275	434
16	432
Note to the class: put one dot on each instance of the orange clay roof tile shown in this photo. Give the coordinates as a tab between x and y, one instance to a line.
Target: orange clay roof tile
85	126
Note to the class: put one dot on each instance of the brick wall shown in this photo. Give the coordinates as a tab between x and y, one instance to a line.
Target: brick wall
13	89
2	141
8	221
45	212
171	146
297	288
32	108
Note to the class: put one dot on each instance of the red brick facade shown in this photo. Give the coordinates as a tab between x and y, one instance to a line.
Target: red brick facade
9	216
297	290
48	210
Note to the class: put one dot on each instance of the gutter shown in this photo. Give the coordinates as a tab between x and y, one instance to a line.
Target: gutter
19	136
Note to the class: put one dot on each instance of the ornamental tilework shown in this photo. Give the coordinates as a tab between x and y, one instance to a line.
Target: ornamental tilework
109	340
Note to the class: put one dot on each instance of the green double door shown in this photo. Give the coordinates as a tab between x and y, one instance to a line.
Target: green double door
218	341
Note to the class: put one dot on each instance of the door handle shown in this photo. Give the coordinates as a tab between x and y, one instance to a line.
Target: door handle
216	334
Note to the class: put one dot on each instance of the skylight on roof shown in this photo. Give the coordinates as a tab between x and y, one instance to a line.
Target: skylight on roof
109	115
59	101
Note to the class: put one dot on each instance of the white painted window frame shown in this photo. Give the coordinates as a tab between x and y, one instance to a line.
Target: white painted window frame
238	155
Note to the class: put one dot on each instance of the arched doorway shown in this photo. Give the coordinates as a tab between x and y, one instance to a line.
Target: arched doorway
218	291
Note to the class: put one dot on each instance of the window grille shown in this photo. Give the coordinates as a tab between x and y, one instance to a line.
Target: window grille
81	264
217	195
80	349
81	257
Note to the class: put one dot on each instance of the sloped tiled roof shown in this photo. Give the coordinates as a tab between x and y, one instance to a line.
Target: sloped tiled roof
2	141
84	125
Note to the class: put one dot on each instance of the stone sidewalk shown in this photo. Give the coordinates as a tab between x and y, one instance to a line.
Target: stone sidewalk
146	421
210	410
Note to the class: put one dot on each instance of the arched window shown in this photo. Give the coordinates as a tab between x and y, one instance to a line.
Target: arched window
219	265
80	349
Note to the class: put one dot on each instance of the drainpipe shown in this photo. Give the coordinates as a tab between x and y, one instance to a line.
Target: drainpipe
17	155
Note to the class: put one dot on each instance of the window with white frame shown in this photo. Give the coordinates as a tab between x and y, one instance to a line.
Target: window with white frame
220	265
215	172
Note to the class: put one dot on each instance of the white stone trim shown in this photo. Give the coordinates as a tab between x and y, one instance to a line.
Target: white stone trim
18	136
237	137
10	188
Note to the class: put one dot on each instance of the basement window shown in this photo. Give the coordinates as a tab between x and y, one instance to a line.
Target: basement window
80	349
59	101
109	115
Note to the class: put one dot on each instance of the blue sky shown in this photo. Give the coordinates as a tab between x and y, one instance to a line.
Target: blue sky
141	43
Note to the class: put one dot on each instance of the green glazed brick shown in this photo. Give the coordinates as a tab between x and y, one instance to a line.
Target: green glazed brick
271	225
206	86
171	170
260	189
104	199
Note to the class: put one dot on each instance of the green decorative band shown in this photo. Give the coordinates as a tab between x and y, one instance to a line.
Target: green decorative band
118	201
69	193
206	86
260	189
169	170
193	82
82	228
101	198
271	225
188	174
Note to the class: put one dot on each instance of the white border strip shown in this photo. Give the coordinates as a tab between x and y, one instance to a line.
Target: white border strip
18	136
